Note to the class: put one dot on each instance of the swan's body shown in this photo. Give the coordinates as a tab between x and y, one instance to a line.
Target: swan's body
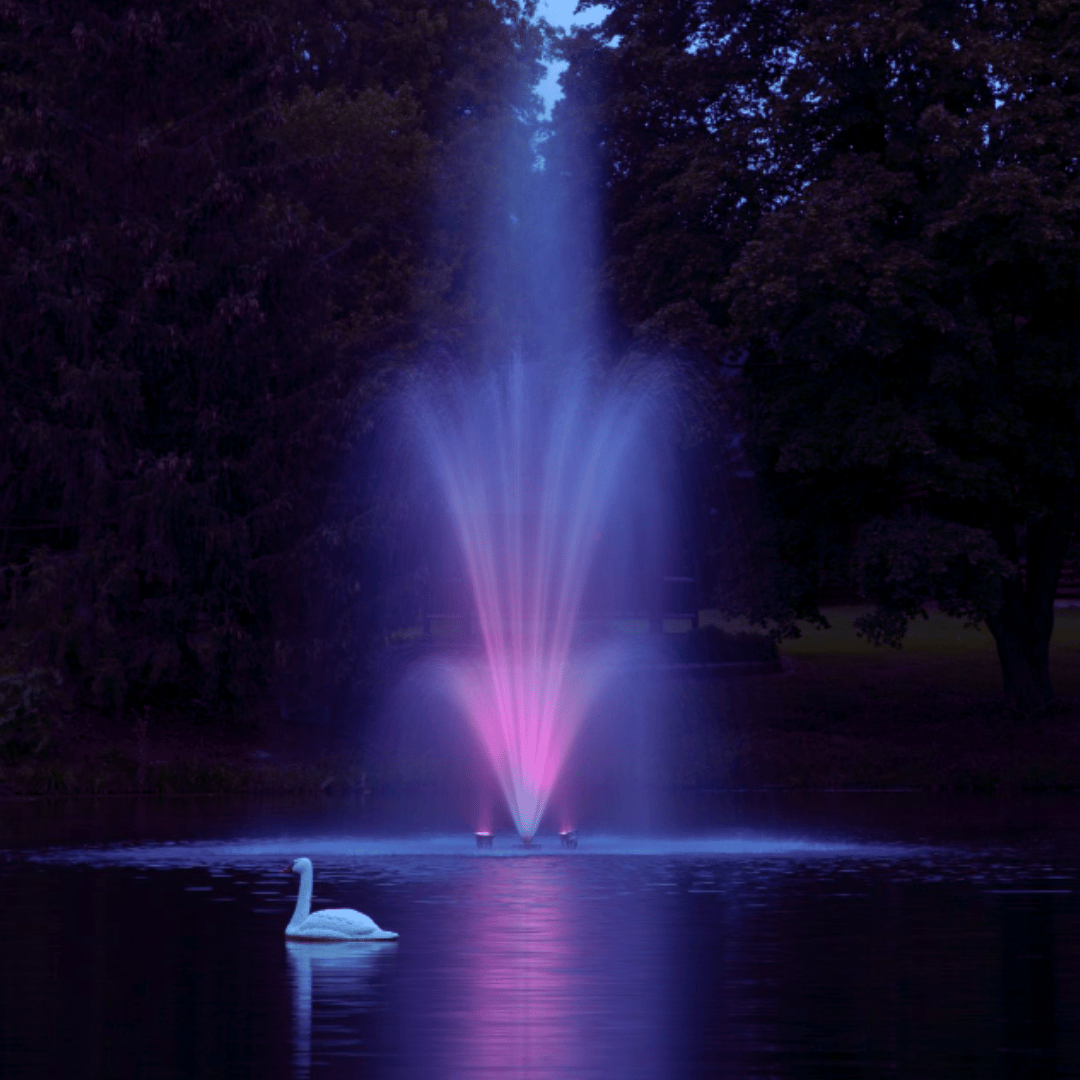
334	924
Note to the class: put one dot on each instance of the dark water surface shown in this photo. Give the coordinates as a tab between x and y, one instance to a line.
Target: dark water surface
765	936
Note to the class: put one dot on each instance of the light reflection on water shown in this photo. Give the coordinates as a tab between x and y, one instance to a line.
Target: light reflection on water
541	991
516	1007
738	953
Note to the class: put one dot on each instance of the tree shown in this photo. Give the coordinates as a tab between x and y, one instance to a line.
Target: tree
894	286
909	319
213	247
145	319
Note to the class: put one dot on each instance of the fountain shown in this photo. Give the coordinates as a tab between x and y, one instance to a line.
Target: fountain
533	461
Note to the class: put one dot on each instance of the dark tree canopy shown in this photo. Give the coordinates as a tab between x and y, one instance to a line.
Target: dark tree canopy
867	216
215	223
227	229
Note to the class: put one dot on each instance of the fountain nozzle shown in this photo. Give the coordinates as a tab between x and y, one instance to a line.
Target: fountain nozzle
568	837
484	839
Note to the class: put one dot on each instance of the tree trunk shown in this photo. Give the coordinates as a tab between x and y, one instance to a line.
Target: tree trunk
1024	623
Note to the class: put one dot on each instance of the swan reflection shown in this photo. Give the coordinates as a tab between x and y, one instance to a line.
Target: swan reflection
339	976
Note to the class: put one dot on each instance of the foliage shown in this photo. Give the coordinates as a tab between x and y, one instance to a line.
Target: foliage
868	216
213	250
28	711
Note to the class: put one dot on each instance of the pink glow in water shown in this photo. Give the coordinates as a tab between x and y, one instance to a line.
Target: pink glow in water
530	473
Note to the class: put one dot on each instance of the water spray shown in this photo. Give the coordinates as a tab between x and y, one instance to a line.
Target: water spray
531	467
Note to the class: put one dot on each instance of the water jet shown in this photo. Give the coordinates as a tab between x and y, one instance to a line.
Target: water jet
537	465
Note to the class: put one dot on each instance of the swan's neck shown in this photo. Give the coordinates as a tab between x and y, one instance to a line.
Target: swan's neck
303	901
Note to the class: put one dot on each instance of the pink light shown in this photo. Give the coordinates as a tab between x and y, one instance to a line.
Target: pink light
529	474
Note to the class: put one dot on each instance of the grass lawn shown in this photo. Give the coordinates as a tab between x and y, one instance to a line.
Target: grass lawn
939	655
849	714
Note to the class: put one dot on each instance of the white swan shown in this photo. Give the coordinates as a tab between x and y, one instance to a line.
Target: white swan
335	924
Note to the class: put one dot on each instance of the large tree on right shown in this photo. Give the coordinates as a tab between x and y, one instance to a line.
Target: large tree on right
868	216
909	310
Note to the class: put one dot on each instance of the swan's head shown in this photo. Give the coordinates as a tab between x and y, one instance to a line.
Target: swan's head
299	866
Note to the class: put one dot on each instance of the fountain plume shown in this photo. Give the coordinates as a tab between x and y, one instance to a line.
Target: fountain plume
530	460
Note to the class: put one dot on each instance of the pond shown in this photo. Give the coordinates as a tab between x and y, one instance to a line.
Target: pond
762	935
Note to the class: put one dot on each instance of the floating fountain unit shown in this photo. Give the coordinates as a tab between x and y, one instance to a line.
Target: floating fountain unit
484	839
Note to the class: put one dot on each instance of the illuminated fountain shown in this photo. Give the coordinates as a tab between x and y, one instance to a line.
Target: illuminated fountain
532	462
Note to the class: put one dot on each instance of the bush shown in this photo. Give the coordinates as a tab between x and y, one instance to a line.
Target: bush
28	712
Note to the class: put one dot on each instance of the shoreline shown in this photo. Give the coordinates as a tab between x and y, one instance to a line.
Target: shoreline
983	751
833	714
